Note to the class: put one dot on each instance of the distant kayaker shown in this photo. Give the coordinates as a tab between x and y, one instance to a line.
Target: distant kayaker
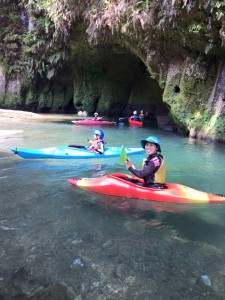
135	116
98	145
154	169
141	116
96	117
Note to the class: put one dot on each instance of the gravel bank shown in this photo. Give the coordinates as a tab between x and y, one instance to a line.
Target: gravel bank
18	114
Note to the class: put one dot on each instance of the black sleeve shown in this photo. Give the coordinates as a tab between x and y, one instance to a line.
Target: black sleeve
144	173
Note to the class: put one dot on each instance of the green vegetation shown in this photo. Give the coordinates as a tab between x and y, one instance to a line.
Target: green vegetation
42	41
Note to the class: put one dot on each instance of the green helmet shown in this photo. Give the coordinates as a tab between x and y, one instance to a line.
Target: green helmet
151	139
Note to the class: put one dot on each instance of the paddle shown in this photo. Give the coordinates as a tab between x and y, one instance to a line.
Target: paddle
121	119
77	146
123	155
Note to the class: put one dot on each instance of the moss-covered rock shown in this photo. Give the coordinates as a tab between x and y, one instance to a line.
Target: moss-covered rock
160	56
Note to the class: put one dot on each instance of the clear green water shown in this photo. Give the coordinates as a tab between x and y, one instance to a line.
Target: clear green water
103	246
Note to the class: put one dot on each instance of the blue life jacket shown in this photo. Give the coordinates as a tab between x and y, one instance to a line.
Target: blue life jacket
135	118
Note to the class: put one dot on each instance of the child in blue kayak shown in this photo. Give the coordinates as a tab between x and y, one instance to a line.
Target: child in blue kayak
98	145
154	169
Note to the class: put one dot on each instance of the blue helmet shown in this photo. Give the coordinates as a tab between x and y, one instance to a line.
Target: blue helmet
99	132
151	139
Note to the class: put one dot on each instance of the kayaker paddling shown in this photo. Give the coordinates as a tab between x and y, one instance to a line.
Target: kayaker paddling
98	145
96	117
135	116
141	116
154	169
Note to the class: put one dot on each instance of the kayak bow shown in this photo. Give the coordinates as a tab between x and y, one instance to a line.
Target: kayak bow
122	185
134	123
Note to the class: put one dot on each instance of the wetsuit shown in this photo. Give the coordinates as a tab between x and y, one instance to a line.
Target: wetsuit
153	172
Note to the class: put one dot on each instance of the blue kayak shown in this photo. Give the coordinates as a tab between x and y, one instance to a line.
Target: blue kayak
66	152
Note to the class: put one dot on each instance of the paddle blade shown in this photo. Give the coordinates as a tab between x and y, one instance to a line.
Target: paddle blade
77	146
121	119
123	155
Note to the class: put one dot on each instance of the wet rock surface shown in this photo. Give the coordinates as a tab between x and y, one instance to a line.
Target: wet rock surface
113	267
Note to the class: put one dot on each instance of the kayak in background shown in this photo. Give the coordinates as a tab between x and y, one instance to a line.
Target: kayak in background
70	152
134	123
93	122
126	186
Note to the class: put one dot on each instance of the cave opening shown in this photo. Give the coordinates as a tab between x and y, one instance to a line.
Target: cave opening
119	80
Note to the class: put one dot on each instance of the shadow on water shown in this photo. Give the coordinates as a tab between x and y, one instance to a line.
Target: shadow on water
195	223
201	225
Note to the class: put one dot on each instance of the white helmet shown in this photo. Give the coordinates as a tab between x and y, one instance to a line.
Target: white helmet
95	114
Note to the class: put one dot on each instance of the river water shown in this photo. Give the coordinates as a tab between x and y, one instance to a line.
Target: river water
104	247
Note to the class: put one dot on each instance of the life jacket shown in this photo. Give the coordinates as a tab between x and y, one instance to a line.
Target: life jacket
135	117
160	175
96	145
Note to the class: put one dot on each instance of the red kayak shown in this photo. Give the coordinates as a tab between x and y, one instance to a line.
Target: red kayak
134	123
93	122
126	186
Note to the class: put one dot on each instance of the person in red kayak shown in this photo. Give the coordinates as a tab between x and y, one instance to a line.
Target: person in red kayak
141	116
135	116
98	145
154	168
96	117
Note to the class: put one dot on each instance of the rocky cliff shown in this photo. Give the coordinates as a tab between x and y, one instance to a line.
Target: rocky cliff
165	57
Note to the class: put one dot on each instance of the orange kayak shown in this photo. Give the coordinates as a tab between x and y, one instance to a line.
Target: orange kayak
126	186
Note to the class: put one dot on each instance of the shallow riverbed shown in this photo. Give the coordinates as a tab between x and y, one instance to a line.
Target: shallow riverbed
103	247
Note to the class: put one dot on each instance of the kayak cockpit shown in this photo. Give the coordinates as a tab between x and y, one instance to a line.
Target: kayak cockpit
139	182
